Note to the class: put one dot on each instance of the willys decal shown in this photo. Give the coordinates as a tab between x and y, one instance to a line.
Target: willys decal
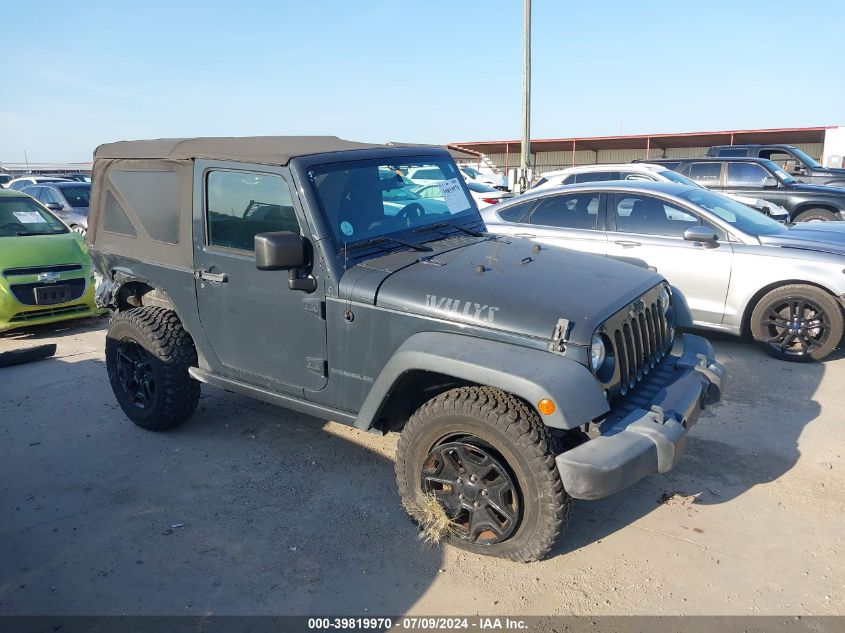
470	309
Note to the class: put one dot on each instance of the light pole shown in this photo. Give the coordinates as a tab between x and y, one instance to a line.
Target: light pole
525	154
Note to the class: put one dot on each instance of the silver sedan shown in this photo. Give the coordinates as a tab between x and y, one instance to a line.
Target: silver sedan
740	272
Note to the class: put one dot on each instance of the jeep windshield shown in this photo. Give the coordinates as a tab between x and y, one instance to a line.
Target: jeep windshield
24	216
370	199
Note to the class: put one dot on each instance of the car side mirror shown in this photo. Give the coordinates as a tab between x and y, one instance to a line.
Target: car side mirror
53	206
769	182
284	250
703	234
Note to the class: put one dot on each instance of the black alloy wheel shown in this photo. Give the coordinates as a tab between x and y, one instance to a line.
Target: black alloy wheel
471	482
798	323
135	373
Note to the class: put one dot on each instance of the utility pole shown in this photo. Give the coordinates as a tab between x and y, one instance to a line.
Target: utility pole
525	155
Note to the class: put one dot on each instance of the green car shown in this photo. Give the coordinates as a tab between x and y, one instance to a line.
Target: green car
45	272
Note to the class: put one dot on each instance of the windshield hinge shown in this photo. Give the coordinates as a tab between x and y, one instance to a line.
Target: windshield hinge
560	336
317	365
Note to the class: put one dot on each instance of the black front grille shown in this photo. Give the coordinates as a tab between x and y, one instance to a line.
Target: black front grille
37	270
639	337
25	293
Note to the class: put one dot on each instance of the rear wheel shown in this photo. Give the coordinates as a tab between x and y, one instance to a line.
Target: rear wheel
798	323
484	457
148	354
817	215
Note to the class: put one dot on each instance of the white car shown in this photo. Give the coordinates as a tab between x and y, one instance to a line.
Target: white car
484	176
484	195
19	184
643	171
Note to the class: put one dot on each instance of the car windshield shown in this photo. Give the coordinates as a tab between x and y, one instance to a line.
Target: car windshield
676	177
369	199
77	196
774	167
734	213
24	216
474	173
807	159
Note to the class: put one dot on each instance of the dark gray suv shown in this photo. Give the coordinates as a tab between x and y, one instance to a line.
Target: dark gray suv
292	270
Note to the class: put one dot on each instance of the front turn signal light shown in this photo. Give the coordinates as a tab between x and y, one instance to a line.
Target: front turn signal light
546	406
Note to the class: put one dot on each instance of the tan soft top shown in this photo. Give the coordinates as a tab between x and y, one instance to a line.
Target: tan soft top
265	150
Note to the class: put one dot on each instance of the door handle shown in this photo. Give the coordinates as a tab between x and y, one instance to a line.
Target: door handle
220	278
627	244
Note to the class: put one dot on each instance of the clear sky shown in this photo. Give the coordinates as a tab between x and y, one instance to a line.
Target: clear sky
88	72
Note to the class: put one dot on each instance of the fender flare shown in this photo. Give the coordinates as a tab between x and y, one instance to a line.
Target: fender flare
531	374
681	309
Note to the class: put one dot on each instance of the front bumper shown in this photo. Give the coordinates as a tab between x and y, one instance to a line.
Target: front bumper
647	431
14	314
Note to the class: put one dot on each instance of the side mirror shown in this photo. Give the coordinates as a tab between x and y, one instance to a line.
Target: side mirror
280	250
284	250
703	234
54	206
770	182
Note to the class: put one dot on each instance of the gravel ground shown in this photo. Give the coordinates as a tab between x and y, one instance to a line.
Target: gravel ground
252	509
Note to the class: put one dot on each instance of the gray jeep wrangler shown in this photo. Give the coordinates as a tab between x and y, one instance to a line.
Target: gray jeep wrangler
313	274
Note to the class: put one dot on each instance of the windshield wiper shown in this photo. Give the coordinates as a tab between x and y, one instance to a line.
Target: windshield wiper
463	229
381	240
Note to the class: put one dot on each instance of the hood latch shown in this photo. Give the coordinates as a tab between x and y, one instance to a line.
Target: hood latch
560	337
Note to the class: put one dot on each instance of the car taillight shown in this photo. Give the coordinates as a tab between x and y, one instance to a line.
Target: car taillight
490	200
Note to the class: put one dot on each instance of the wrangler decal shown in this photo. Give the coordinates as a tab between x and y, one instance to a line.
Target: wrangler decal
469	309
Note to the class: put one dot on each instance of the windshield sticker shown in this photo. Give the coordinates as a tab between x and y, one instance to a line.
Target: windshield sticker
454	195
470	309
346	228
29	217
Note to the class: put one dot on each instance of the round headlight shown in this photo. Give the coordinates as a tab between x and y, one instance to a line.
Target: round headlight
665	299
597	352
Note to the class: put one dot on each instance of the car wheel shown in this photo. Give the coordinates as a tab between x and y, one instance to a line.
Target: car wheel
484	459
148	354
817	215
798	323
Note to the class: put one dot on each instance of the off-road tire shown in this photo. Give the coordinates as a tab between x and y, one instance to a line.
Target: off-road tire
515	431
171	352
822	215
815	295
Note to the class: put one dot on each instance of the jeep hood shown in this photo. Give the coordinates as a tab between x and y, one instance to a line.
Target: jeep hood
821	237
502	284
27	251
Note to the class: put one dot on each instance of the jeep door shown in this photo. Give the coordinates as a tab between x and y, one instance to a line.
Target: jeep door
573	220
261	331
648	231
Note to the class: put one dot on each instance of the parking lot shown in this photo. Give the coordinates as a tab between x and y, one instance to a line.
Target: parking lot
252	509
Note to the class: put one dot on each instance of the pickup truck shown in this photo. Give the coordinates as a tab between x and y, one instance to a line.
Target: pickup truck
790	158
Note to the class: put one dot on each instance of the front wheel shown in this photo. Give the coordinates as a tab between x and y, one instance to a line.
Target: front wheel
816	215
798	323
484	459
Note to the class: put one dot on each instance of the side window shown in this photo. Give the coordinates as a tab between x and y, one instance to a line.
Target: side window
636	176
48	195
571	179
240	205
515	213
575	211
596	176
651	216
733	152
784	160
706	174
746	175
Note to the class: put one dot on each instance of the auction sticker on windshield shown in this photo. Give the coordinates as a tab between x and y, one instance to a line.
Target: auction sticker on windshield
31	217
454	195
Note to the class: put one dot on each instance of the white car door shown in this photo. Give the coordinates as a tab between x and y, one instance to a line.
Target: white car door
649	231
571	220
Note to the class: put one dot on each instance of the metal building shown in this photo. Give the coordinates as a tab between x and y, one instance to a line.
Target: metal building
825	144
